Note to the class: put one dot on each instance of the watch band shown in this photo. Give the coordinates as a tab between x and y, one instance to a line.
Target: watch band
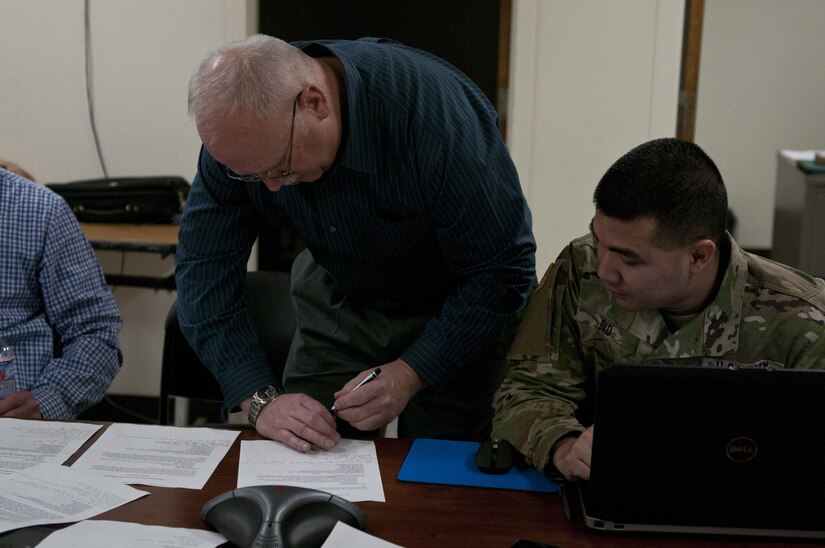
261	399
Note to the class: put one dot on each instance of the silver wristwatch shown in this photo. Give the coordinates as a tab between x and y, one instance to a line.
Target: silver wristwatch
261	399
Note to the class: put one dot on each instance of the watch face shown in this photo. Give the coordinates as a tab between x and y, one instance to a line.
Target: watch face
260	399
267	394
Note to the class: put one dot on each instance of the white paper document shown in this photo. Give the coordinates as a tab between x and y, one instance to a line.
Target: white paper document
347	536
350	470
50	493
27	443
165	456
105	534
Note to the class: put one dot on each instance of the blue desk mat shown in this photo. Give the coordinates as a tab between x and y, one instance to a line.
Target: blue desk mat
453	463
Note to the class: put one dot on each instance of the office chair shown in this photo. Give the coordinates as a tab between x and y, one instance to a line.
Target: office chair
183	375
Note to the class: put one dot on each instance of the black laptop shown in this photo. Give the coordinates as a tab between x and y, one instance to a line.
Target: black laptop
708	450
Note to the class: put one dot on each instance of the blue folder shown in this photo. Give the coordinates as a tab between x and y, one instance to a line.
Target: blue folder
453	463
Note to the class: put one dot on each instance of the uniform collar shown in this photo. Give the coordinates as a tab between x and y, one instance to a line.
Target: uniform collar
722	318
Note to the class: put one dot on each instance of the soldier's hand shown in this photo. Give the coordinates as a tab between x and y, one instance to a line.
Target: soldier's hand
571	456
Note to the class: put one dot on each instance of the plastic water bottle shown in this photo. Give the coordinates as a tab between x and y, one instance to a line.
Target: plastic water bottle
6	369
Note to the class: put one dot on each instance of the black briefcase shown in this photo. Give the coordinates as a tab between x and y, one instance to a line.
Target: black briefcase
125	199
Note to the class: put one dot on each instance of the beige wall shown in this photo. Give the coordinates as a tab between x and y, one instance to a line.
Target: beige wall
761	89
590	80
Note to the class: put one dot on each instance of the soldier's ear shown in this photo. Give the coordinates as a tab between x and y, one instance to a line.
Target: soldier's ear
702	253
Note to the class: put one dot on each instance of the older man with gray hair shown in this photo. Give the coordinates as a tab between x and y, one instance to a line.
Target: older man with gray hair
420	255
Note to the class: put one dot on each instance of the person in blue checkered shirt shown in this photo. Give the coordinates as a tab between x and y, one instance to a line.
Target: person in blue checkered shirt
56	311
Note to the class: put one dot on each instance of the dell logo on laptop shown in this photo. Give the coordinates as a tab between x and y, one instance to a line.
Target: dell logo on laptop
741	449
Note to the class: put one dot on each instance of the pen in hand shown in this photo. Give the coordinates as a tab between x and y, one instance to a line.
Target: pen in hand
371	377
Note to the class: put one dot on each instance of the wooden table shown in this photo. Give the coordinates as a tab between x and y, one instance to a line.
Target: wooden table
417	514
143	238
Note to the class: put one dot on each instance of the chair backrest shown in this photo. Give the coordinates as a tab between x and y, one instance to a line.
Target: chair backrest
267	296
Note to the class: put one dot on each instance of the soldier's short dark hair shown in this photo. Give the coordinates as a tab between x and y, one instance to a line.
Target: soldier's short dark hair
671	181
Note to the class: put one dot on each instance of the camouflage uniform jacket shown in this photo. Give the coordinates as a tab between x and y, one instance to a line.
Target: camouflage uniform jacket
572	329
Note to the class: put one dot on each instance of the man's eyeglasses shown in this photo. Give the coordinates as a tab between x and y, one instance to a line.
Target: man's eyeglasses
259	177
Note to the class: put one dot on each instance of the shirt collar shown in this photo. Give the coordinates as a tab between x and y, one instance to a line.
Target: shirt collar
356	151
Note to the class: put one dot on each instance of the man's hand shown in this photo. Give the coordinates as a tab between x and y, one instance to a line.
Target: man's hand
21	405
297	421
377	403
571	456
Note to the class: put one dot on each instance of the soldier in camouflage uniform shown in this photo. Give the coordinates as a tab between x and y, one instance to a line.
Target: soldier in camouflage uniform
657	281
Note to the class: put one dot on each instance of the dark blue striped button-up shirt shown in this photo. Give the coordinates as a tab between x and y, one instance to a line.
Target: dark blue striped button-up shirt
421	211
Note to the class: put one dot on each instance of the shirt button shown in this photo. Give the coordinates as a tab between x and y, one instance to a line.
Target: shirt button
332	228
